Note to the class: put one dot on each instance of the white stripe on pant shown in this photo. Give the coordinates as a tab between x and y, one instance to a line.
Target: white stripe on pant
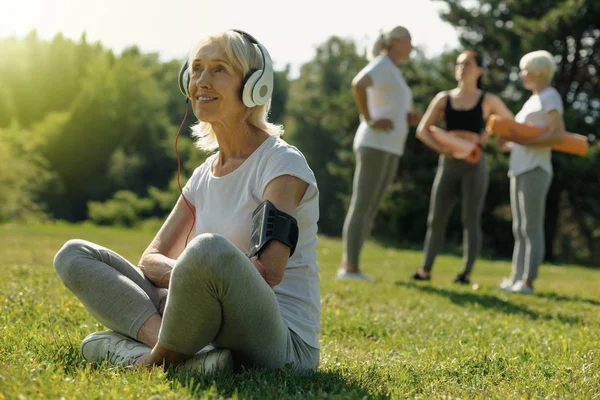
528	204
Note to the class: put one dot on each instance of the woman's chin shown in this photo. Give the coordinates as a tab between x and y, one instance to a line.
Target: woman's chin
203	116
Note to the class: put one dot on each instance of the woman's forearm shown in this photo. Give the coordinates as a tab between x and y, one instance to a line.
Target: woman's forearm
157	267
548	140
360	97
425	136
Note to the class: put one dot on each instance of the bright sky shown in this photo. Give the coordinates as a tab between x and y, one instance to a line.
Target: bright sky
289	29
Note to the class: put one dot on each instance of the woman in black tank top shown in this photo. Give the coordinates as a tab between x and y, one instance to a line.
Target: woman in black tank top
465	120
464	110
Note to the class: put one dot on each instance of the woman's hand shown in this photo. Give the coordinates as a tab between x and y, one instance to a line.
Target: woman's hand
157	268
383	124
503	144
159	258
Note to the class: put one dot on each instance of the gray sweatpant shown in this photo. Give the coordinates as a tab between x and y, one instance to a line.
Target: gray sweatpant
472	181
216	296
375	170
528	204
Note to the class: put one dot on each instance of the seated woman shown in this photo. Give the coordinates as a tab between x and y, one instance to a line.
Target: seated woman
256	310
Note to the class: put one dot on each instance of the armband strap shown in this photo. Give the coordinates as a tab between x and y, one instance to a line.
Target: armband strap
268	223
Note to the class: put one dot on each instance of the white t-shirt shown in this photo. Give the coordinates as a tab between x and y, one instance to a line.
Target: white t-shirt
535	111
224	206
389	97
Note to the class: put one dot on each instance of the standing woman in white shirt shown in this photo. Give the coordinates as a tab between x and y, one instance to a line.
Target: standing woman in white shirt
384	102
530	169
257	305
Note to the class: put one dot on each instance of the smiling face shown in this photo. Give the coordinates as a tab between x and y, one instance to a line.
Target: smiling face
467	68
215	86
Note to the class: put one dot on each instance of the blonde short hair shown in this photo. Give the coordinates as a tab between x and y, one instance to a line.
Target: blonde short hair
385	39
541	62
244	57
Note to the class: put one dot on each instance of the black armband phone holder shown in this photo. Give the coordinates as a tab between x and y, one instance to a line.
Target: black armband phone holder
268	223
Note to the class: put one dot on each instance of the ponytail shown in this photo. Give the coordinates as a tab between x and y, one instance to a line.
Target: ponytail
379	45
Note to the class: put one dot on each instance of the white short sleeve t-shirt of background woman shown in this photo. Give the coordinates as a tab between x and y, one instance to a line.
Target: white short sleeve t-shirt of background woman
535	111
224	206
389	97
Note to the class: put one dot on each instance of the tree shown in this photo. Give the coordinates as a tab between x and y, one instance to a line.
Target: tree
23	174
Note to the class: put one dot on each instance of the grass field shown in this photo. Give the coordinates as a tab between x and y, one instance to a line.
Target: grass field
388	339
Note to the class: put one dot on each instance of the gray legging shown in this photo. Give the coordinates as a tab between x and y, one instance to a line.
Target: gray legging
528	204
215	296
375	170
472	180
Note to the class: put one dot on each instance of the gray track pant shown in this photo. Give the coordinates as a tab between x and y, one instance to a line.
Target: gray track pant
215	296
528	204
375	170
454	176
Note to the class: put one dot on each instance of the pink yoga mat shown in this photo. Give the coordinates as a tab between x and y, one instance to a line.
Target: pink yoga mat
461	148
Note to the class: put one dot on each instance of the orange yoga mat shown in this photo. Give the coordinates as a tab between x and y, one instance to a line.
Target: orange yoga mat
461	148
507	128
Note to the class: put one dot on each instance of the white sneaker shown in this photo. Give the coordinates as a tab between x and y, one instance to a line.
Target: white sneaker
113	347
506	285
359	275
521	287
208	363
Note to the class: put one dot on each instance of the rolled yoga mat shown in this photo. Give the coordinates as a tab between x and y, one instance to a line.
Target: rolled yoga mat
573	143
461	148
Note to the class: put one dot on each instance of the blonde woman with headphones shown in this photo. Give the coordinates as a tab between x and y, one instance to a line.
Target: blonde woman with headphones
384	102
245	290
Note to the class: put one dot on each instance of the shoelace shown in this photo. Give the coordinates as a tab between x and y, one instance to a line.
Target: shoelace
115	358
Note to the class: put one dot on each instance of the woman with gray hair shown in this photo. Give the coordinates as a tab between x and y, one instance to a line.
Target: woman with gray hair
247	286
384	102
530	169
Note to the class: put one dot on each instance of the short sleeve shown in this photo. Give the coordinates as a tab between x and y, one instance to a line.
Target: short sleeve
191	187
552	101
288	161
377	73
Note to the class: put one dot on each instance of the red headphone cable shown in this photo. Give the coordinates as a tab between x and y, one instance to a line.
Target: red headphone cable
179	174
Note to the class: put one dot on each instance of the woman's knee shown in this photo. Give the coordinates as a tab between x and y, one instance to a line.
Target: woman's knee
206	253
65	261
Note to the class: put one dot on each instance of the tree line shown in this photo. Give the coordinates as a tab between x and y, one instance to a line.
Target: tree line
88	135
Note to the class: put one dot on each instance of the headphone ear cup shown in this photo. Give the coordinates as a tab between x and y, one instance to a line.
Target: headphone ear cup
248	88
184	80
262	90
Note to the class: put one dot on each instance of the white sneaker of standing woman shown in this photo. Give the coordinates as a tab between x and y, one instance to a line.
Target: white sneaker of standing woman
521	287
506	285
357	276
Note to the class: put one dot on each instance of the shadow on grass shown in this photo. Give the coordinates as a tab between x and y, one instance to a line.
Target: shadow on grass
560	297
490	302
265	384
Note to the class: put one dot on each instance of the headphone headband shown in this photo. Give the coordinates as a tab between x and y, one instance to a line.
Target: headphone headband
257	86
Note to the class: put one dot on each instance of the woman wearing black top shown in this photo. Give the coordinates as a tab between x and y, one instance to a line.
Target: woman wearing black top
464	109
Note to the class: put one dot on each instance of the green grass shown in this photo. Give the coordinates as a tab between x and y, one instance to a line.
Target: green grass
389	339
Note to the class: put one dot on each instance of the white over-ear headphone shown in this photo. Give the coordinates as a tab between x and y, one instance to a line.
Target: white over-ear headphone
257	86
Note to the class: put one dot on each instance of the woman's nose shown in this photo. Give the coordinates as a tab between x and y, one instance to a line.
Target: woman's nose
203	80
